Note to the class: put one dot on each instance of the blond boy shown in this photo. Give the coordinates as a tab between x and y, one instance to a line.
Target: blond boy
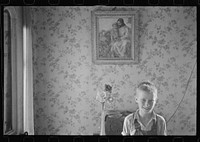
145	121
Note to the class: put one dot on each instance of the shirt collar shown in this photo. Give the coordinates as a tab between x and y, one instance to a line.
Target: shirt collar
136	116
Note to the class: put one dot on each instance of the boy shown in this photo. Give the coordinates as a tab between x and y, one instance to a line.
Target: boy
145	121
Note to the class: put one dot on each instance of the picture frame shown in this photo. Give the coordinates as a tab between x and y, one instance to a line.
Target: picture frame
115	37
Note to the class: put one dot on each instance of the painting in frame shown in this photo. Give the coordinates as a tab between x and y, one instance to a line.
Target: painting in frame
115	37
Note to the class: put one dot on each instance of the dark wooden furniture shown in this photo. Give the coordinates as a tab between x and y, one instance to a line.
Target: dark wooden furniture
114	120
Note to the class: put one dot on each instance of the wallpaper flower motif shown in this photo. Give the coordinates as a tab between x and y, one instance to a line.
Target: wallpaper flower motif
66	80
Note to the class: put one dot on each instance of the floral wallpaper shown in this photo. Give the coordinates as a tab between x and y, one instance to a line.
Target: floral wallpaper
66	80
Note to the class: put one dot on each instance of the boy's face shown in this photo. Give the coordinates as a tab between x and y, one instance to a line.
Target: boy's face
146	101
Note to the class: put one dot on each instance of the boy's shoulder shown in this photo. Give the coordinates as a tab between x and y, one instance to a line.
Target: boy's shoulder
130	116
160	118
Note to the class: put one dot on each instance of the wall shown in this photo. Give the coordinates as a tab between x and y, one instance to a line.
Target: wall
66	80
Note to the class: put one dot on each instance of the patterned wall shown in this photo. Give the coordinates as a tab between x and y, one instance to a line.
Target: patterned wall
66	80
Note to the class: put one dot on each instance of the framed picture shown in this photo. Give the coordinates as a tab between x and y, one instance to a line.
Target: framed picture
115	37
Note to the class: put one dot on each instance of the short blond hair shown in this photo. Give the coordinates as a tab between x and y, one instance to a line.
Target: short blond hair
148	87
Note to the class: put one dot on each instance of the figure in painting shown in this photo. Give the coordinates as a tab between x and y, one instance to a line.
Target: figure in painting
123	42
115	42
114	33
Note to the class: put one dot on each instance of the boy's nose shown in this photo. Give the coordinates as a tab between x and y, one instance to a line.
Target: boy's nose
146	104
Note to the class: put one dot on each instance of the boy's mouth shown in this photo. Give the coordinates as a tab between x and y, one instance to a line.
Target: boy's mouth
146	108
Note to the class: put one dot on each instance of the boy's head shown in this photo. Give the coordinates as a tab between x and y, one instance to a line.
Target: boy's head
146	96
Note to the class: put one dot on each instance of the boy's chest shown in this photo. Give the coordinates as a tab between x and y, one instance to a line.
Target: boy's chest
145	123
139	129
146	126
